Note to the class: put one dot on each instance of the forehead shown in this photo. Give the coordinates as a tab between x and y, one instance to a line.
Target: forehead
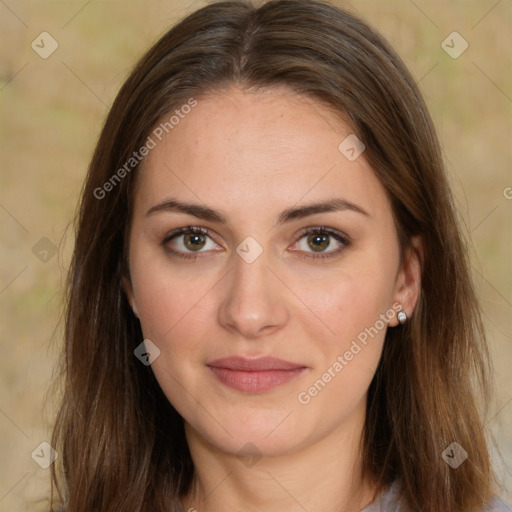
261	149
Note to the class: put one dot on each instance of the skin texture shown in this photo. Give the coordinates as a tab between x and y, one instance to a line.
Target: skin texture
251	156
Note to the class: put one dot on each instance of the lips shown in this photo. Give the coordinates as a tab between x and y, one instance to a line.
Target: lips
254	365
254	375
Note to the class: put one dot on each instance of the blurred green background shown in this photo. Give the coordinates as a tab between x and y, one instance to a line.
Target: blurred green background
51	113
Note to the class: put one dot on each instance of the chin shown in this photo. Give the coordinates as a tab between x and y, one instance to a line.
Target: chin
253	433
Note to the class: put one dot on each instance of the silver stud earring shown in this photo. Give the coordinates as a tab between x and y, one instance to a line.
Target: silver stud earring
402	317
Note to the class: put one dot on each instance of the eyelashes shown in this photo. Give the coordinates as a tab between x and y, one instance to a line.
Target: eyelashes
190	238
194	235
321	235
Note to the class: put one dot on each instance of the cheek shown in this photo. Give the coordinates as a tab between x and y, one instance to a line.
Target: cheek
350	302
176	312
164	297
172	315
354	305
349	357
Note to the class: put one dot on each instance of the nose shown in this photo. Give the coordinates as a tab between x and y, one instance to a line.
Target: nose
254	302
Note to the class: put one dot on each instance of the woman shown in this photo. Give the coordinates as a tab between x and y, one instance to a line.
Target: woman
269	305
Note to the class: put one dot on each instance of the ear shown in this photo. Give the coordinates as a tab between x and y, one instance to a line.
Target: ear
408	282
127	287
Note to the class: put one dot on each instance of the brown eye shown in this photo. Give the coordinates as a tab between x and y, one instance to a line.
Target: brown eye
194	241
319	242
189	242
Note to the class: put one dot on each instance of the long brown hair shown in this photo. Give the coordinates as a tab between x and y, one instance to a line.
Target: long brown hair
121	442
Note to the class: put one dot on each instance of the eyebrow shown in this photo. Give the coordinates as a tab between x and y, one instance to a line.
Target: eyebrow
288	215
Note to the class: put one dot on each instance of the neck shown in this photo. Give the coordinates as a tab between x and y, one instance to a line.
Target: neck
324	475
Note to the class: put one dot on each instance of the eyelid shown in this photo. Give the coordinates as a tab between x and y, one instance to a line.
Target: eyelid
324	229
182	231
186	229
341	237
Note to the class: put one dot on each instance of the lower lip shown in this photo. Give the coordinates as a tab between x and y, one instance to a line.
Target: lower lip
256	381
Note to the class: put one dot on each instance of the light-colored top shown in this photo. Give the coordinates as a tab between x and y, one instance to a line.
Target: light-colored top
387	501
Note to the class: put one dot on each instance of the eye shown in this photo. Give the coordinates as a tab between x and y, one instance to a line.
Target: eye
315	242
184	242
321	242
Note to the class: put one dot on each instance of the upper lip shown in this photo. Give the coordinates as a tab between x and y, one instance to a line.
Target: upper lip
253	365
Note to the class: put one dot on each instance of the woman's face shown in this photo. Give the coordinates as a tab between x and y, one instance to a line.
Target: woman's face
293	257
